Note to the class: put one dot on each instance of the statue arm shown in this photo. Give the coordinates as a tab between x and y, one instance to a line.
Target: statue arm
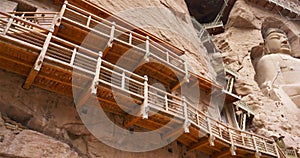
267	70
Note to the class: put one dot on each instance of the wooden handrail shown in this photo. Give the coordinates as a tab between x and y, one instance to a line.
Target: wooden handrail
24	21
229	132
122	29
33	12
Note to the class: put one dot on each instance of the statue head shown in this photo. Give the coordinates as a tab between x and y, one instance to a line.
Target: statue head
276	41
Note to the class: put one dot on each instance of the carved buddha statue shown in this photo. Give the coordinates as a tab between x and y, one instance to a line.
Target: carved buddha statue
277	70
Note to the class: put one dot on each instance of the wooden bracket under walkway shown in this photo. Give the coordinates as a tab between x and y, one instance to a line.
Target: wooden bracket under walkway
92	90
38	63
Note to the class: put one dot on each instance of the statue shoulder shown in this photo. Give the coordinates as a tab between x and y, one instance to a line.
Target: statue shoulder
270	57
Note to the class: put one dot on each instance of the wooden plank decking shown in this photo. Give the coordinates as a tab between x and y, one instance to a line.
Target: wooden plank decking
68	66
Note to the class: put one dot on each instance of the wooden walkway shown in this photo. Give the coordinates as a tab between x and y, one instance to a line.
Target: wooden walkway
278	7
217	26
53	56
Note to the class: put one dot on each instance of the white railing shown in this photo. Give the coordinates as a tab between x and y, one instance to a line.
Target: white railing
115	32
86	60
43	19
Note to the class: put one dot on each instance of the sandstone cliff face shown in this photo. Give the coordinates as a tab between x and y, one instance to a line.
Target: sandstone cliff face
18	142
45	113
39	123
241	35
169	20
46	124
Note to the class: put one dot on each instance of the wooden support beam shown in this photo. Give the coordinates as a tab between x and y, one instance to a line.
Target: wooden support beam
10	21
59	17
195	83
233	150
202	143
38	63
276	148
215	148
154	123
107	48
132	122
142	61
178	85
83	97
223	153
266	4
211	140
257	155
173	133
262	2
92	89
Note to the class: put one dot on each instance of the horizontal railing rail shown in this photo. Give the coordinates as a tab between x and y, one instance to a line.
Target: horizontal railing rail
43	19
78	57
22	22
291	153
124	35
22	30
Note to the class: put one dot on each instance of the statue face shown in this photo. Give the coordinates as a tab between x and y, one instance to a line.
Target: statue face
277	42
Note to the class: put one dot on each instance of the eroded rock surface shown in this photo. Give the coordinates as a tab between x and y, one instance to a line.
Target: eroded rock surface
241	35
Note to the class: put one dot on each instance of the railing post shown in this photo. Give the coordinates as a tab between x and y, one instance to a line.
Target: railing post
97	74
63	9
209	125
244	122
230	84
243	139
168	56
112	34
232	147
187	76
166	102
147	49
211	136
10	21
123	80
265	146
186	118
257	154
130	38
145	104
89	21
276	149
198	120
73	56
